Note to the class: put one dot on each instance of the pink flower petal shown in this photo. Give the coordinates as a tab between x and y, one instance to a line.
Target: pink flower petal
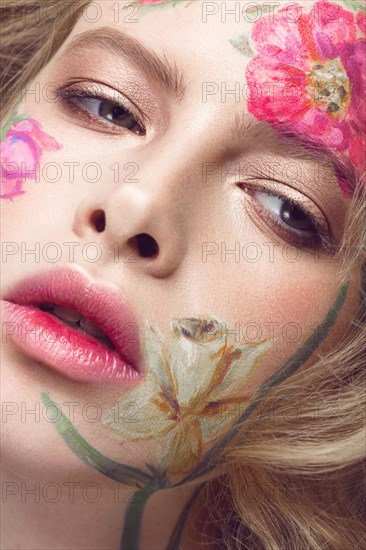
361	21
313	124
33	129
20	153
277	92
9	188
286	85
353	57
357	152
332	21
278	36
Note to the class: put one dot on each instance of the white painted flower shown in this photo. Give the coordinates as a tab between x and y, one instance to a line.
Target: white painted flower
189	382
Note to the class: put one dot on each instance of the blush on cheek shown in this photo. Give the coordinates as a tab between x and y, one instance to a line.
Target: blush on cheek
21	147
286	316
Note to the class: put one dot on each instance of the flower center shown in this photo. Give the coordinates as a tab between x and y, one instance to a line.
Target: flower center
329	86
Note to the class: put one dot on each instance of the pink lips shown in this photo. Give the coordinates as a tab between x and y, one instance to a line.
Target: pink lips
75	354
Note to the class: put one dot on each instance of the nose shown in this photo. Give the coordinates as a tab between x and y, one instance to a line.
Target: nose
144	221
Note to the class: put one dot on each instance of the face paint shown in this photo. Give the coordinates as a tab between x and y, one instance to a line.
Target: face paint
189	382
160	3
355	4
309	76
243	45
22	144
154	480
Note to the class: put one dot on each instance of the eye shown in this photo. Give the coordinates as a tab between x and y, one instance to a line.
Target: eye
115	113
297	221
88	104
291	214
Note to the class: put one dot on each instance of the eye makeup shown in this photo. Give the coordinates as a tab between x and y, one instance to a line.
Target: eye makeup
93	97
101	108
295	219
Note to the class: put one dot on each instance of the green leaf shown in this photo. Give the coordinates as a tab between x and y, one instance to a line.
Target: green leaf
242	45
13	119
356	5
146	8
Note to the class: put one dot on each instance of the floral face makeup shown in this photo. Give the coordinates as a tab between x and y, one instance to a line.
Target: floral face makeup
316	65
222	240
177	409
22	144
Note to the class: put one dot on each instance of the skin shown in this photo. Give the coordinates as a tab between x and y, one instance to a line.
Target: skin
181	210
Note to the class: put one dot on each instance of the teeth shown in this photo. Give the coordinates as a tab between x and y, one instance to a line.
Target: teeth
96	332
90	328
67	314
73	318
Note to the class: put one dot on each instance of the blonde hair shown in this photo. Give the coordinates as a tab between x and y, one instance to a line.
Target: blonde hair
294	477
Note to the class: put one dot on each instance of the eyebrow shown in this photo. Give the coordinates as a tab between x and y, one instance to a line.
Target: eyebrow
299	147
248	129
156	66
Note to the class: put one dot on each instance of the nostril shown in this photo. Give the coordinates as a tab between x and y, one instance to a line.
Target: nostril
98	220
146	245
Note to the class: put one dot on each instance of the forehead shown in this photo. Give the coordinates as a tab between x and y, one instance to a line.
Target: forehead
207	48
210	42
197	35
164	21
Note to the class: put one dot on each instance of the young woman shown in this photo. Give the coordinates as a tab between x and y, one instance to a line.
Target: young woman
183	242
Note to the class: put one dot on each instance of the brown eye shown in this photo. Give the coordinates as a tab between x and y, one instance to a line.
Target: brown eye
113	112
289	213
98	110
295	217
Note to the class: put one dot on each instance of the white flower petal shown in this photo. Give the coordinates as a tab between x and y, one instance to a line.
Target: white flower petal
156	356
240	369
193	366
140	415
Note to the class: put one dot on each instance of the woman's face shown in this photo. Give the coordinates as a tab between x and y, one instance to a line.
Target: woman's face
162	178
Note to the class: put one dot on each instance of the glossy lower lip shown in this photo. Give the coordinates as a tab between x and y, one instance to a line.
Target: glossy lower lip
74	354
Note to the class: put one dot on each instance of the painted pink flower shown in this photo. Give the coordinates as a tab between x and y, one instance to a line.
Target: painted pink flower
310	75
20	153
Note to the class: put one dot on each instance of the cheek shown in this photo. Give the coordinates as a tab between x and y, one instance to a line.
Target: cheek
286	304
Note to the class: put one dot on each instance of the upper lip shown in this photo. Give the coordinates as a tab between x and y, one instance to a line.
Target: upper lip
101	305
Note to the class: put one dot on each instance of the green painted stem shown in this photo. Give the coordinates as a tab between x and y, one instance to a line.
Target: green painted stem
88	454
133	519
12	120
175	539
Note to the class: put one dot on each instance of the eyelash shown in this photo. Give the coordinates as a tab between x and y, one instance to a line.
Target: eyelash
320	238
69	96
